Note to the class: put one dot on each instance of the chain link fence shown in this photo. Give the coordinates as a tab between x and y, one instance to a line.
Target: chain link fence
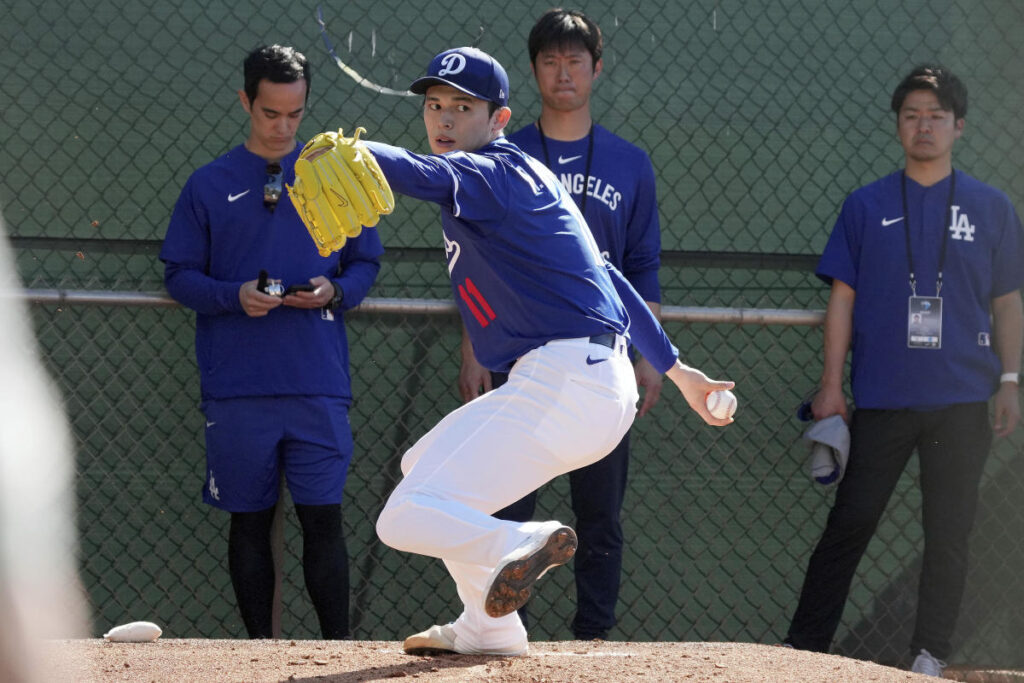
759	116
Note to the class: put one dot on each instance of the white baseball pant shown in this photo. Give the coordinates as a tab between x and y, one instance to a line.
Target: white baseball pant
565	406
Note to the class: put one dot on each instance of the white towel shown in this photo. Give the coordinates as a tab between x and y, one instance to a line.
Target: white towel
829	442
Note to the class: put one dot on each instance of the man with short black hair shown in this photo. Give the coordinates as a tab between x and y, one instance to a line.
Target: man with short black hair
272	351
926	267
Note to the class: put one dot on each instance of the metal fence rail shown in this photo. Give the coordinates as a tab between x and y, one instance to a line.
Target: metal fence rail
399	306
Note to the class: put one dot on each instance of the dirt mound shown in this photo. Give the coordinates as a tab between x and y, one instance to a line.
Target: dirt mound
351	661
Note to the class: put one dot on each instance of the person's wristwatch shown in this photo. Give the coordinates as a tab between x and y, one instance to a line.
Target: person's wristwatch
338	297
1010	377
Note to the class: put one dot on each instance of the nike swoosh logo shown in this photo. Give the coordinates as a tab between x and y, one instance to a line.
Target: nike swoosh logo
233	197
595	361
565	160
210	424
886	222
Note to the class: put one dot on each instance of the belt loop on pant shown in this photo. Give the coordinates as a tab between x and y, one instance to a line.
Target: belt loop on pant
607	340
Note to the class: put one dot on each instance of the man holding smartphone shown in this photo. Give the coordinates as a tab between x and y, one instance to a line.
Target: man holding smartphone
271	345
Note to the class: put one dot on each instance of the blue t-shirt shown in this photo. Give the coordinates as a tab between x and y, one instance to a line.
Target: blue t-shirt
621	201
984	260
220	236
525	270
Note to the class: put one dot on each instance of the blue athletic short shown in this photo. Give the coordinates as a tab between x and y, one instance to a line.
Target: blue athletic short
249	441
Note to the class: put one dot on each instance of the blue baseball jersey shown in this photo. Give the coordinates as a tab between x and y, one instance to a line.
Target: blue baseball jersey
220	236
621	206
524	267
984	260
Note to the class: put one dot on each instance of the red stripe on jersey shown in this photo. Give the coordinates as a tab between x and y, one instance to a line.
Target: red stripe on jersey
480	297
484	322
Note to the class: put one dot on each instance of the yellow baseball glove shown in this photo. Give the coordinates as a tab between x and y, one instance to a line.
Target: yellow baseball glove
339	188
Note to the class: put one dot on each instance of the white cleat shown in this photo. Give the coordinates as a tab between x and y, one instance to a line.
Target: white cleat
441	640
510	585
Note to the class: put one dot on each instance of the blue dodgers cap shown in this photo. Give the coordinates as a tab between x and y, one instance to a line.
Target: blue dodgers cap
470	70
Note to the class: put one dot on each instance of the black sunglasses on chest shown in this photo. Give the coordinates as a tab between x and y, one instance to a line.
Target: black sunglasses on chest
274	185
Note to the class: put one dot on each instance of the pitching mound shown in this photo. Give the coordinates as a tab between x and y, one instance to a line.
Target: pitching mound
351	661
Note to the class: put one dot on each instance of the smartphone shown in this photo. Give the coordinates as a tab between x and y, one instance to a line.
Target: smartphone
299	288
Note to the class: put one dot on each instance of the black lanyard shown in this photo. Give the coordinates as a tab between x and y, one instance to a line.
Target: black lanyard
945	234
590	156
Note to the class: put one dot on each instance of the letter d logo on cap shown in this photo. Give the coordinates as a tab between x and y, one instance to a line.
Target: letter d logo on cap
453	63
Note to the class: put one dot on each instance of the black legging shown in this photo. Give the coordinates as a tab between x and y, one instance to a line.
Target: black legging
324	564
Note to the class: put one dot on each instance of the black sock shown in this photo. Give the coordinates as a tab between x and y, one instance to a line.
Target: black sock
251	565
325	566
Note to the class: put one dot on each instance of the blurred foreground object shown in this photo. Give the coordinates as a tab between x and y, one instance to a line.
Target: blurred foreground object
40	594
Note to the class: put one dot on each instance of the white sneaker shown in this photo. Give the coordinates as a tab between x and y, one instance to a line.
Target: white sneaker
441	640
928	665
512	580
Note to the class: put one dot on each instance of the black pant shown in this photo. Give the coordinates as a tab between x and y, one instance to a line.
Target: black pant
952	445
597	493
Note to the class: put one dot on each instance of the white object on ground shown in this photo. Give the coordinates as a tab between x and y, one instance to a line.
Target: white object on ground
135	632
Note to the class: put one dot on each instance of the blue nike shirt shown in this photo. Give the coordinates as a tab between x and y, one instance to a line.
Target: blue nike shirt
984	260
621	205
220	235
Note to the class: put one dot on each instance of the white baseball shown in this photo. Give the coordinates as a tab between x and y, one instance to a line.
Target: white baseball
721	404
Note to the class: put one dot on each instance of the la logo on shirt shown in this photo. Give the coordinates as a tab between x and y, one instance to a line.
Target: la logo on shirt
961	226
